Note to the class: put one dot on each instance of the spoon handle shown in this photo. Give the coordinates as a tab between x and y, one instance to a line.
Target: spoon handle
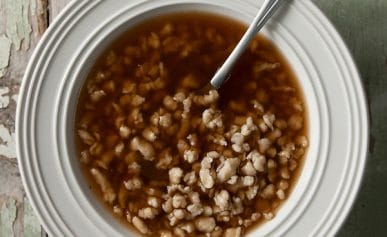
267	10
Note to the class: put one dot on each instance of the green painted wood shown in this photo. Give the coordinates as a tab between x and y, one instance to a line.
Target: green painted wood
7	217
363	26
31	225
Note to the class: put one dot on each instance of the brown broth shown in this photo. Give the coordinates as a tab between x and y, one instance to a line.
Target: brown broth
211	39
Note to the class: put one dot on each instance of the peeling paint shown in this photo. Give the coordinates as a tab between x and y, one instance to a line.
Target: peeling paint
18	28
15	97
33	7
11	184
5	52
31	225
7	143
4	97
7	217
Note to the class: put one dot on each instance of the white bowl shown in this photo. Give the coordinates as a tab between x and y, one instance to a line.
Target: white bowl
338	122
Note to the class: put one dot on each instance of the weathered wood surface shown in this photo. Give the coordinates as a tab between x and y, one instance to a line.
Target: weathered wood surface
363	25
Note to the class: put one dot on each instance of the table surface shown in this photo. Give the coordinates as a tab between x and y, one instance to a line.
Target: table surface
362	24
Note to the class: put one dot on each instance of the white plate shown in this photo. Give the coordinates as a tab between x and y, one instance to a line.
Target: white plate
335	100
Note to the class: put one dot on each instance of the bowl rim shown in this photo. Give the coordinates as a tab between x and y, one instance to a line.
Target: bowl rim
68	103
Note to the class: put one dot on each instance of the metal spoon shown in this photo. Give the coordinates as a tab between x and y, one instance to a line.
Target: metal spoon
267	10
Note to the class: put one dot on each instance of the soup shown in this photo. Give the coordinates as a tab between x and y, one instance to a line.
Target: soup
171	160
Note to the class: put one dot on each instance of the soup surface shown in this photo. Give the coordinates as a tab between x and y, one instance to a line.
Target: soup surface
171	161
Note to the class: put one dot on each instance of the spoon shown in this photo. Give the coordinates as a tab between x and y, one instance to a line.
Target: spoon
267	10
